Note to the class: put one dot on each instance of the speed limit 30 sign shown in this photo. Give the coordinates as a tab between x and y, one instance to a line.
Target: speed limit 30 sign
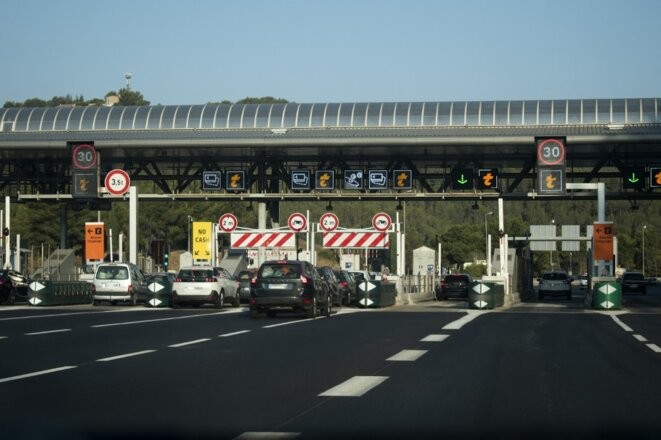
550	151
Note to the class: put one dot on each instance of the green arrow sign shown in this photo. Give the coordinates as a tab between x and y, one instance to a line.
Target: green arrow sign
462	180
633	178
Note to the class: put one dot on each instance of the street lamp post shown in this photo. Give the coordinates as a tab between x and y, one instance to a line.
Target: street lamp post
644	228
190	220
486	241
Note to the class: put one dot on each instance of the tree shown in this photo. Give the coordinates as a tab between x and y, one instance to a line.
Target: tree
131	97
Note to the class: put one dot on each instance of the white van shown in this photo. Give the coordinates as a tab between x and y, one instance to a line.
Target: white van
115	282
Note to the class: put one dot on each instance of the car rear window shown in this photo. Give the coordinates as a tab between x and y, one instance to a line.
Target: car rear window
195	274
112	273
554	276
633	276
456	279
280	271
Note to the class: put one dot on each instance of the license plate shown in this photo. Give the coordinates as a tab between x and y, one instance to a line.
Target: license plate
278	286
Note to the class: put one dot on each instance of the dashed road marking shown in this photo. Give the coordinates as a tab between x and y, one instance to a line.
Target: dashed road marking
407	356
354	387
240	332
36	373
183	344
655	348
435	338
47	332
459	323
122	356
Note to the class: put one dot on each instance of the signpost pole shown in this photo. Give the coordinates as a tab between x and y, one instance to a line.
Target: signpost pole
133	224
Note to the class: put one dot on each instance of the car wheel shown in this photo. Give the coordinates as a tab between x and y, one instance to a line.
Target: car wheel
173	304
134	299
95	302
11	299
221	300
237	300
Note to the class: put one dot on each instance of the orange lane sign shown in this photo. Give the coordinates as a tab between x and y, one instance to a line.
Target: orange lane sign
602	237
94	241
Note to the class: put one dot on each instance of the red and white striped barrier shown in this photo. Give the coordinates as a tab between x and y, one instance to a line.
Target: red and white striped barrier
356	240
249	240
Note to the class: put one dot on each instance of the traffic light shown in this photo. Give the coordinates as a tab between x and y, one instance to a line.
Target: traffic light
487	178
166	259
462	178
634	178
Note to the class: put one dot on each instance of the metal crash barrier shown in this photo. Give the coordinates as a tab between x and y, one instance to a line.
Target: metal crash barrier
374	294
58	293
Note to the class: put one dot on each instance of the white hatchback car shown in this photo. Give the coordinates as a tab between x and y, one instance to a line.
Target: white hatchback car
198	285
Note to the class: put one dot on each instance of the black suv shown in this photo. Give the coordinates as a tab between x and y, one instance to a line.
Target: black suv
633	282
333	282
289	286
455	285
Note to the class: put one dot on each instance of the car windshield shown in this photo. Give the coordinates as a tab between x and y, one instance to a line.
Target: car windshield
633	276
456	279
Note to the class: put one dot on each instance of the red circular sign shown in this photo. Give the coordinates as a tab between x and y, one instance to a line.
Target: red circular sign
84	157
551	152
117	182
329	222
228	222
381	221
297	222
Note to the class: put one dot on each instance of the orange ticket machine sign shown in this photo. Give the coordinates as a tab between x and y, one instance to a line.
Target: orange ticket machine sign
602	238
94	241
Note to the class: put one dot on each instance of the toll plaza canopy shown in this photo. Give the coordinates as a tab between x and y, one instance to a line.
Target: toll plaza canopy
173	145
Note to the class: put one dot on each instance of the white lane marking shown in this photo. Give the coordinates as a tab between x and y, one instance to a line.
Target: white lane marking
53	315
459	323
183	344
435	338
407	356
240	332
62	330
655	348
3	337
144	321
288	323
354	387
122	356
259	435
619	322
640	338
36	373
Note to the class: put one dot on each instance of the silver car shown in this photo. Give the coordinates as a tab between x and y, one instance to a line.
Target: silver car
116	282
555	283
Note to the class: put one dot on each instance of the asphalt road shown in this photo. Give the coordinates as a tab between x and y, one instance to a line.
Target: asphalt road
538	369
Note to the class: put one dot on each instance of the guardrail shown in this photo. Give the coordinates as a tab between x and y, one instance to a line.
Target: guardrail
57	293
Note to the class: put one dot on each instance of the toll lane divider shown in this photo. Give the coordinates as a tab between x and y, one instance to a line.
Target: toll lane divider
57	293
375	293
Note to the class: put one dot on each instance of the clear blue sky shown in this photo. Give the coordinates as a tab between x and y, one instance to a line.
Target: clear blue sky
197	51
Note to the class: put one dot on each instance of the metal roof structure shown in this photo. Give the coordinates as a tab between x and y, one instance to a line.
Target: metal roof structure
173	145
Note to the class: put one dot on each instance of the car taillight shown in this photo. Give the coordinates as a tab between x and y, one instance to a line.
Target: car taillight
177	280
130	289
444	283
253	281
211	280
344	284
304	279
